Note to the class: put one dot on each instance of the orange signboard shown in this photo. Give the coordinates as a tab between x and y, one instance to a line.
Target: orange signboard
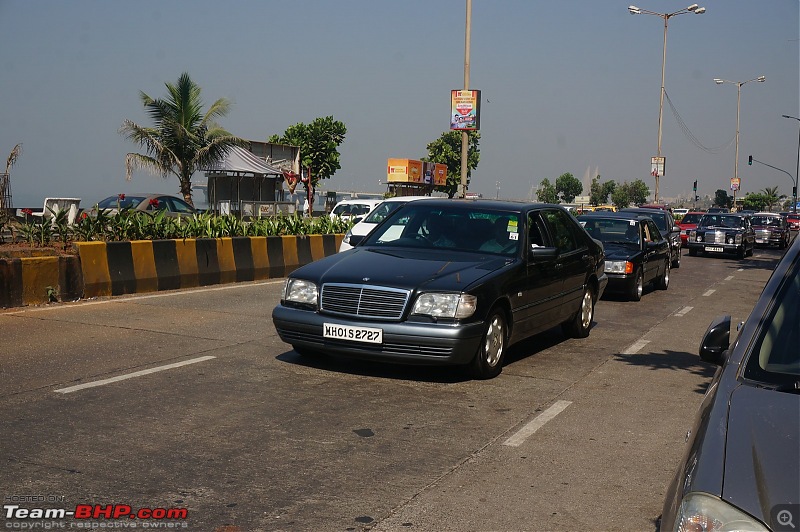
404	171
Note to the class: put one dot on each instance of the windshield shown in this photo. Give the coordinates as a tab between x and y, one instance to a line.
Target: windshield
691	218
123	201
721	220
776	353
351	209
766	220
611	230
383	210
419	224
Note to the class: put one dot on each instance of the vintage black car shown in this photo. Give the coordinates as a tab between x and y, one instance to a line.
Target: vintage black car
449	282
741	467
720	233
667	226
636	252
771	229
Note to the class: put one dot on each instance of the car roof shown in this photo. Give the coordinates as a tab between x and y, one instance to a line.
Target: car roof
410	198
645	210
490	204
620	215
369	201
767	214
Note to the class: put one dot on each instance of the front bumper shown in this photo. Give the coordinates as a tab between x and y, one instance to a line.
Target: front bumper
620	282
403	342
716	249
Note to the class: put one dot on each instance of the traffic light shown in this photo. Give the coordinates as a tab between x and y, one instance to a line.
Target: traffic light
750	160
697	198
695	185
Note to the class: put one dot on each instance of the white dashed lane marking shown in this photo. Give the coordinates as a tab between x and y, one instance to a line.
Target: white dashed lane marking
538	422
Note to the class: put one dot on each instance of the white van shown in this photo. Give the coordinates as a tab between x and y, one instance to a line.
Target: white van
376	216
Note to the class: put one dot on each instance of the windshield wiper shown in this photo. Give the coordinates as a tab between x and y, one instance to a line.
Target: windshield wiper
792	387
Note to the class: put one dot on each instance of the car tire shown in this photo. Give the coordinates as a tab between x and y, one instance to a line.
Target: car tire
662	282
579	325
740	254
635	292
676	263
488	361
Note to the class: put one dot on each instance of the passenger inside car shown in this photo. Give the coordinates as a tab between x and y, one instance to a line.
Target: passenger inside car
500	240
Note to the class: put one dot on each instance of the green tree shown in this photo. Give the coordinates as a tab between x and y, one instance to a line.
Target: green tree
568	186
756	201
638	192
183	139
599	192
722	199
318	143
447	150
546	192
772	196
620	197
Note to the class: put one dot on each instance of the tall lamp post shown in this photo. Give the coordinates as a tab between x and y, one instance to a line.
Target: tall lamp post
633	10
797	168
760	79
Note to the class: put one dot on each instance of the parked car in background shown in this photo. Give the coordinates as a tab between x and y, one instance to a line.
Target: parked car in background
354	208
666	225
447	282
717	210
636	252
679	212
771	229
793	219
719	233
356	233
741	467
687	223
174	206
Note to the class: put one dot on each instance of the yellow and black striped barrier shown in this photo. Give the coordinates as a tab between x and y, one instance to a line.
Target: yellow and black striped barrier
116	268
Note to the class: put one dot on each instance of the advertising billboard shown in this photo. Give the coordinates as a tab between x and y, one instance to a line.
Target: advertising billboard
465	107
404	171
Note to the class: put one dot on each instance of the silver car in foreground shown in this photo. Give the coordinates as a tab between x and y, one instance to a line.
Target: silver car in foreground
741	470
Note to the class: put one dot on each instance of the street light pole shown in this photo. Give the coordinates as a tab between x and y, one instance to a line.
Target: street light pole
797	168
633	10
465	134
760	79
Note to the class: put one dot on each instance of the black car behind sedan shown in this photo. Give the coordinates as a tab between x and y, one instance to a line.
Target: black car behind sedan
636	251
668	228
450	282
741	467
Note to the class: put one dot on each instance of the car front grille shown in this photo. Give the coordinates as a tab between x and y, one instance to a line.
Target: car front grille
364	301
715	237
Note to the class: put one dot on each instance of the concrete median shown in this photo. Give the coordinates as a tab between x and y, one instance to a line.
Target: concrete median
116	268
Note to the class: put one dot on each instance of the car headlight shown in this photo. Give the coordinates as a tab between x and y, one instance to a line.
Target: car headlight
300	291
347	236
619	266
457	306
701	511
693	234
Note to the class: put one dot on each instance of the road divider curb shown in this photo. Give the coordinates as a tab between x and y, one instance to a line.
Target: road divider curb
117	268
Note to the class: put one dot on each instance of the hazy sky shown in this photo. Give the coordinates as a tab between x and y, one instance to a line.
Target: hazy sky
568	86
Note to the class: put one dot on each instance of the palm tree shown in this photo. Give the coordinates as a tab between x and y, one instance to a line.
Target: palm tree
771	195
183	139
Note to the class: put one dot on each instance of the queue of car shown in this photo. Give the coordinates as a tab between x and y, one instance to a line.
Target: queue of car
457	282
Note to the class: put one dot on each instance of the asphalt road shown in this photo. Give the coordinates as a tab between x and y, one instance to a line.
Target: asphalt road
188	400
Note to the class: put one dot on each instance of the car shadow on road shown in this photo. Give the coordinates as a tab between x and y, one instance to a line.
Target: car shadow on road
381	370
673	361
421	373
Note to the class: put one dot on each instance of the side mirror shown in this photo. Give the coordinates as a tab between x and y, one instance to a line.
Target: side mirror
676	229
356	239
357	219
716	340
540	254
